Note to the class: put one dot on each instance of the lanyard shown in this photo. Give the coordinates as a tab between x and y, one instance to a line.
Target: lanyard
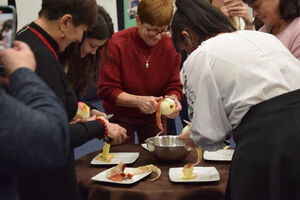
39	35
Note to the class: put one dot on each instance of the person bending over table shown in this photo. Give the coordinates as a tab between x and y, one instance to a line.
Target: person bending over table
82	59
246	82
142	67
60	23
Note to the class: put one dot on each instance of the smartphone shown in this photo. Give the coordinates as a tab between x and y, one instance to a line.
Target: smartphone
7	29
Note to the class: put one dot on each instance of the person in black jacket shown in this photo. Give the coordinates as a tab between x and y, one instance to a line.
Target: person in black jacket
59	24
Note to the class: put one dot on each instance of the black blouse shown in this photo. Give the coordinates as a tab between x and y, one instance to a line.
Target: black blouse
61	183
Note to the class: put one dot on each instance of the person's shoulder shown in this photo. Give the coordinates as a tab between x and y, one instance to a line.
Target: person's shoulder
295	25
122	38
123	34
167	43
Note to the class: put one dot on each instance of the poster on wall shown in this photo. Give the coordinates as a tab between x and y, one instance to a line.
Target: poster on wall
126	13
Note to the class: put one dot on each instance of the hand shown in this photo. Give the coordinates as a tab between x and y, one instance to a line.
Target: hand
237	9
188	142
148	104
76	120
17	57
116	132
97	113
177	109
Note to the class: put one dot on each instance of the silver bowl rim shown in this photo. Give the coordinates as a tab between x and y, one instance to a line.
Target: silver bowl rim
165	146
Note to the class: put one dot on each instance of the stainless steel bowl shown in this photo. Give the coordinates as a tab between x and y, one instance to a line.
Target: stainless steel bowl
167	148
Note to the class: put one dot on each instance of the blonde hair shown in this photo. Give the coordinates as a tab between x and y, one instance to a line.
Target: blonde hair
156	12
235	21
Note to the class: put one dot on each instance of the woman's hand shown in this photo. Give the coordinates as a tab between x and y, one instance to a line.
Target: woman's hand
116	132
237	9
177	109
188	142
76	120
148	104
19	56
97	113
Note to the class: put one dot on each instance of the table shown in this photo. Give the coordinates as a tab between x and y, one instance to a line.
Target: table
163	188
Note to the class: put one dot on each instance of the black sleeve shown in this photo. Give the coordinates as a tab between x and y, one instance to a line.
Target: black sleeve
82	132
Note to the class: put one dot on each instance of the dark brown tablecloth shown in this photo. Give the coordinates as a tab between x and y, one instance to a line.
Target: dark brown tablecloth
163	188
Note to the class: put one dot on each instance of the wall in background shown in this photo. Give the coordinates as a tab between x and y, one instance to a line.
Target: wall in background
3	2
27	12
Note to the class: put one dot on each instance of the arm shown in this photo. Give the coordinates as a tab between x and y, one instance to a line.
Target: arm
209	120
83	132
146	104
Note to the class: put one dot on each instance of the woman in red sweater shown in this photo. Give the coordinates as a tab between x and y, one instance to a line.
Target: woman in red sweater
142	68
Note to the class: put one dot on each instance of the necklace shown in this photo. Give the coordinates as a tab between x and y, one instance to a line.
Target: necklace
146	59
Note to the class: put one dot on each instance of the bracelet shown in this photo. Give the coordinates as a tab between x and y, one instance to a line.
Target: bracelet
99	119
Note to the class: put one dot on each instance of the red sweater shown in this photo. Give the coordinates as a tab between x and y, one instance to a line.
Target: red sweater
125	71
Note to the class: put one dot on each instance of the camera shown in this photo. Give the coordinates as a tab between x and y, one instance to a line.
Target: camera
7	29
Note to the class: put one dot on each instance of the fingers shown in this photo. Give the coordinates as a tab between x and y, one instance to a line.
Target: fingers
116	133
148	105
97	113
20	45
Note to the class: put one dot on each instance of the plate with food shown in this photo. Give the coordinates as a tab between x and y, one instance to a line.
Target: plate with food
194	174
107	158
220	155
121	174
145	146
126	157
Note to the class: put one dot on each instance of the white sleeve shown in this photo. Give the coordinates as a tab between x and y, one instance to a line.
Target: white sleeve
209	122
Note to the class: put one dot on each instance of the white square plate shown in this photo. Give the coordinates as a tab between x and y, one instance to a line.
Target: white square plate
204	174
125	157
145	146
101	177
220	155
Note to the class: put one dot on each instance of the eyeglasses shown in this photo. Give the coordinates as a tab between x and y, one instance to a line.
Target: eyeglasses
155	32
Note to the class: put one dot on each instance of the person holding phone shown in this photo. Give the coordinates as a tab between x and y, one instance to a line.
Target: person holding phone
59	24
28	142
237	12
245	82
280	18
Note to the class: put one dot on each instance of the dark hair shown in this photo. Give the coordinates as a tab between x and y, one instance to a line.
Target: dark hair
83	72
7	24
82	11
200	18
288	9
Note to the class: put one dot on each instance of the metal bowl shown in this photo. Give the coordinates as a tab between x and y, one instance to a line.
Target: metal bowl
167	148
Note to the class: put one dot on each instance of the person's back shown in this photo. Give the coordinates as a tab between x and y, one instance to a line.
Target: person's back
259	58
33	127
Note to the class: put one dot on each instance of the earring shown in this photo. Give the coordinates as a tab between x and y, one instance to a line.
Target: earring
62	36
